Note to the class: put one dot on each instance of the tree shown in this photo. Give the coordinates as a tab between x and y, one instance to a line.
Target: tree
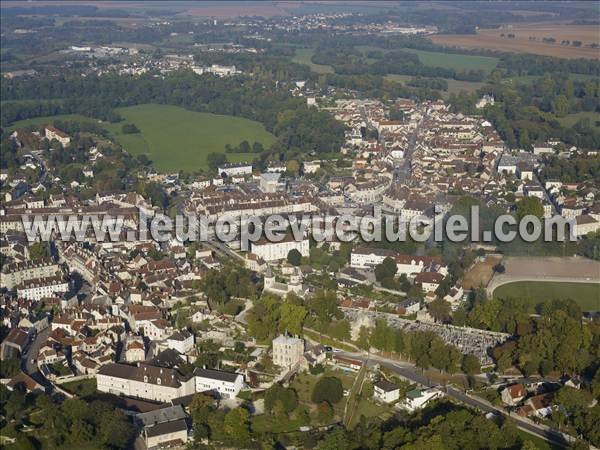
328	389
324	412
129	128
364	338
529	206
560	106
294	257
237	425
387	269
470	365
293	167
39	250
214	160
285	397
336	440
439	309
324	305
292	317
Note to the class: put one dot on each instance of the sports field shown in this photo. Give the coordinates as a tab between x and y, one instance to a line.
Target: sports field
175	138
587	295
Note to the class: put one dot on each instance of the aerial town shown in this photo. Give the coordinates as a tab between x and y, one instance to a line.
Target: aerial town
298	342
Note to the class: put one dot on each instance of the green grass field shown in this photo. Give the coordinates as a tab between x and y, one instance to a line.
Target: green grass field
445	60
175	138
304	55
178	139
587	295
455	62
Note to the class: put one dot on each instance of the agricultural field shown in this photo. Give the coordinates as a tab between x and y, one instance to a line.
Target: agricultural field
175	138
491	39
304	55
587	295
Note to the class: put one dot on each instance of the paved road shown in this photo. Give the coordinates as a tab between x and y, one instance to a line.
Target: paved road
29	360
222	249
408	371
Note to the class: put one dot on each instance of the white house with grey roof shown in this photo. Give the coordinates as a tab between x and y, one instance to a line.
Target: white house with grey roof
226	384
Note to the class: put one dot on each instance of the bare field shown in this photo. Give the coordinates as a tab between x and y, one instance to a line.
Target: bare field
577	268
481	273
492	39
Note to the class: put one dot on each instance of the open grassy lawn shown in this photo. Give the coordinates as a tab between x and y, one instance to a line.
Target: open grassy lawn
368	408
587	295
304	55
81	388
304	384
178	139
266	423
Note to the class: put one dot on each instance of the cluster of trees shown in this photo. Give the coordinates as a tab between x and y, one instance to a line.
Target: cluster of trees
550	336
575	414
307	130
441	426
575	169
530	112
73	423
245	147
210	422
221	287
439	84
270	316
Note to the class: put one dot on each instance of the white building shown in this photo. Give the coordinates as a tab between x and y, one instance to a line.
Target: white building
227	384
17	273
417	399
182	341
273	251
54	133
235	169
269	182
586	224
42	287
311	166
146	382
363	258
287	351
164	425
385	391
135	350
